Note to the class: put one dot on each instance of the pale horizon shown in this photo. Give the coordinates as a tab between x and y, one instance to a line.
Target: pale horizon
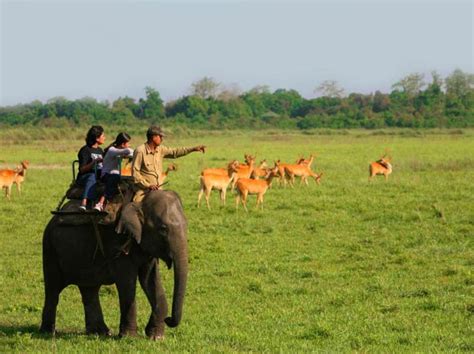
107	50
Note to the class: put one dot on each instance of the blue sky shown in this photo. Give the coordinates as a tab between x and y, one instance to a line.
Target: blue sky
106	49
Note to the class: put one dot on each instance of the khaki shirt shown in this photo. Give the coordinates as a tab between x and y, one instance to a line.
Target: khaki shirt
147	165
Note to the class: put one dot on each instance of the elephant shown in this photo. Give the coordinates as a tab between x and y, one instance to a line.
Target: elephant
71	256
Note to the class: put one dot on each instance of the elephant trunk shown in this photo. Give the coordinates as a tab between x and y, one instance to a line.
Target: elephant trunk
180	263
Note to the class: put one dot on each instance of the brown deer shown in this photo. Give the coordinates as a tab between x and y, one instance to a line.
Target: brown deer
304	161
244	171
217	181
9	177
261	170
246	186
162	177
218	171
303	171
21	174
380	167
281	169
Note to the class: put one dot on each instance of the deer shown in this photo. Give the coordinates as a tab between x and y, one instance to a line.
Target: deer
21	174
162	177
244	171
220	182
301	170
9	177
281	169
304	161
246	186
261	170
380	167
126	168
218	171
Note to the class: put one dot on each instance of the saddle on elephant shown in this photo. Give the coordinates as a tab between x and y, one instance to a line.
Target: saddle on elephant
70	213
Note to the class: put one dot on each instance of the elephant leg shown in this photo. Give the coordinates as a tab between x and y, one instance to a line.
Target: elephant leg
126	287
48	318
93	312
150	281
53	285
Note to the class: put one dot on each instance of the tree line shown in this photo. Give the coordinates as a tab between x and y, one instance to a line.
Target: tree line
413	102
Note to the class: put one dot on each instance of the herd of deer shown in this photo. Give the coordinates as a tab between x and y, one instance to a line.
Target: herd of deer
245	178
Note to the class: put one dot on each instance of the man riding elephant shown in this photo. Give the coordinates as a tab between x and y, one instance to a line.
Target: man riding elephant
157	228
147	164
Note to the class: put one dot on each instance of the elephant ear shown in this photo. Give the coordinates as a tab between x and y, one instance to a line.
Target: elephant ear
131	220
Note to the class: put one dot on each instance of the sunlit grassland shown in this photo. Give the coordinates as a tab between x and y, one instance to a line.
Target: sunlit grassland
344	266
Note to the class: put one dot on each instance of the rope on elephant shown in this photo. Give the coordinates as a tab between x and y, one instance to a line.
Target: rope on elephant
61	202
98	236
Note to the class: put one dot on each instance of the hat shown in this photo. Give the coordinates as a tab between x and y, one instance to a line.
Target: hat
154	130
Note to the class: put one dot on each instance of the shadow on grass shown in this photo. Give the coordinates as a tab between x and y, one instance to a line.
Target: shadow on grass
12	331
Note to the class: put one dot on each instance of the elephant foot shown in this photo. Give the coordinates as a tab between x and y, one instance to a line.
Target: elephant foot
157	337
48	329
101	331
128	333
155	333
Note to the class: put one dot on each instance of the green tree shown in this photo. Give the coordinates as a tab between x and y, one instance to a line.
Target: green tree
410	84
381	102
121	113
205	88
330	88
152	106
189	106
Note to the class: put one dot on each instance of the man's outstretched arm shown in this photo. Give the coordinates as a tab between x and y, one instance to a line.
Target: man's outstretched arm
173	153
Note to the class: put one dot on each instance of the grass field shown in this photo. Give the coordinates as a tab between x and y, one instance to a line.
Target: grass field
344	266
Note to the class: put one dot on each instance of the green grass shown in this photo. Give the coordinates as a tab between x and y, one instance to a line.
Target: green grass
345	266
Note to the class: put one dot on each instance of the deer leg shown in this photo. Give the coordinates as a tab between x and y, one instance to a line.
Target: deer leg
208	193
223	192
244	201
200	196
260	200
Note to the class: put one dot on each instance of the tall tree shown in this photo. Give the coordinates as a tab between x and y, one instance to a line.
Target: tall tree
152	106
410	84
229	92
205	88
459	83
260	89
381	102
330	88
